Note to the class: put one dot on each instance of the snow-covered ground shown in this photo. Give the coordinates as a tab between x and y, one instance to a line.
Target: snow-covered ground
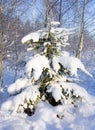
51	118
62	117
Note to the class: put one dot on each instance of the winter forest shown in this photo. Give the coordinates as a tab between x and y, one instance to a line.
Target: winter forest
47	64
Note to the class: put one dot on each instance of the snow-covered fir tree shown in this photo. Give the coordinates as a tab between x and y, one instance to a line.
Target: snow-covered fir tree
48	74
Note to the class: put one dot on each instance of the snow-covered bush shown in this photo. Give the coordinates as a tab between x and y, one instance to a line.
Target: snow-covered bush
48	72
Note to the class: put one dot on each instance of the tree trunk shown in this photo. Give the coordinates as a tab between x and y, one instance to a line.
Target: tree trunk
47	11
80	46
1	40
0	66
60	14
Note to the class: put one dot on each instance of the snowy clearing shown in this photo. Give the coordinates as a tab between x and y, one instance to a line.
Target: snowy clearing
64	117
53	90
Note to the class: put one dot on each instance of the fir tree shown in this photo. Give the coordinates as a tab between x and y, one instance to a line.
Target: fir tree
48	72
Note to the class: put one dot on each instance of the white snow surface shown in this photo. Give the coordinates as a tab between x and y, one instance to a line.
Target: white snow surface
56	91
60	33
72	63
55	64
47	117
18	85
32	36
69	62
37	63
55	23
13	102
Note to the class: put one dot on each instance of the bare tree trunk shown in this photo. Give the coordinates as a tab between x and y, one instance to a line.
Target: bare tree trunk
16	36
47	11
2	37
60	14
0	66
80	46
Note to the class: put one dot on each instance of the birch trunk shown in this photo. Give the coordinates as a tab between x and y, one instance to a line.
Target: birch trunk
80	46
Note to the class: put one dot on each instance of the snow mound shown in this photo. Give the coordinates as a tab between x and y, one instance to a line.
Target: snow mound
55	64
18	85
48	117
13	102
36	64
32	36
71	89
72	64
56	91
